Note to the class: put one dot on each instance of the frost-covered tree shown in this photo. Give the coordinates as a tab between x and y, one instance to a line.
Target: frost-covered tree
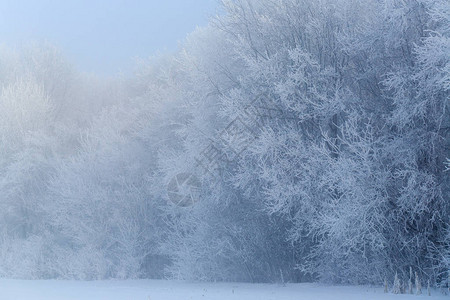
25	149
342	152
39	125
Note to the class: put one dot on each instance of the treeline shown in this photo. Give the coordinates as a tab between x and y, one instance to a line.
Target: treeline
313	137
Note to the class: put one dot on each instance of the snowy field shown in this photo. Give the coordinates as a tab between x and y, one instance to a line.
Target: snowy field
172	290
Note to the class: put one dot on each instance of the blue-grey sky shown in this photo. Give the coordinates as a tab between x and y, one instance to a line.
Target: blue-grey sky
103	36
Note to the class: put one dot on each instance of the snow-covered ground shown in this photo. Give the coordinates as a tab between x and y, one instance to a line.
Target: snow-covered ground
173	290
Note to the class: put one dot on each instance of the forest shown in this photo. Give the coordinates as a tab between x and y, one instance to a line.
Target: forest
287	141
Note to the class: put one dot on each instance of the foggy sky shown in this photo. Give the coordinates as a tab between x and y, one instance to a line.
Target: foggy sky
103	36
